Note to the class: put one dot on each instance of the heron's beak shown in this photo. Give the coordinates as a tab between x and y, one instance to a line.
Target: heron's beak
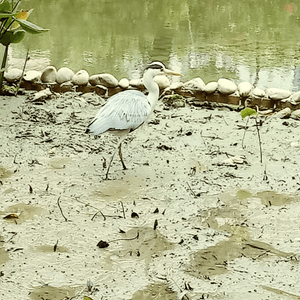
169	72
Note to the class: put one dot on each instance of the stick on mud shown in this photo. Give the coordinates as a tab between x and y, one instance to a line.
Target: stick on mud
61	209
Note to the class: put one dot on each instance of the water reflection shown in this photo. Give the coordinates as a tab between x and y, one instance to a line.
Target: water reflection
243	40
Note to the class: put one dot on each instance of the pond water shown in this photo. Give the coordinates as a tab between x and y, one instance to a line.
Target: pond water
243	40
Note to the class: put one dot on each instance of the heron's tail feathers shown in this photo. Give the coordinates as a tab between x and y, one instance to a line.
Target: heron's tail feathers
97	126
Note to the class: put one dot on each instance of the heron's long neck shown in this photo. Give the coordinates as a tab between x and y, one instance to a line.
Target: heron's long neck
152	88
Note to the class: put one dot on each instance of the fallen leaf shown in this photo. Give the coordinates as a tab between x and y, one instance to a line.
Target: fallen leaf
103	244
11	216
134	215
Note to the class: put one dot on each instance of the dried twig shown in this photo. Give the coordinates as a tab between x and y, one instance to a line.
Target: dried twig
61	209
14	234
15	158
99	211
259	139
123	210
191	189
23	71
129	239
55	246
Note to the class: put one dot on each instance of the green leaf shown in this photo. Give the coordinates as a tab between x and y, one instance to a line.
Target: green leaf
6	38
248	112
18	36
12	37
30	27
5	6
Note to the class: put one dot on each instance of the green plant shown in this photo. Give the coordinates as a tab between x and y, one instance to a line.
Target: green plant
13	26
248	112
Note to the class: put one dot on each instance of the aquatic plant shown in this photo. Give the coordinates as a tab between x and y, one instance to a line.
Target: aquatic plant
248	112
13	26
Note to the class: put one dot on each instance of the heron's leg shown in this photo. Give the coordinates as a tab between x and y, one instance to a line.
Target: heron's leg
121	157
118	147
111	159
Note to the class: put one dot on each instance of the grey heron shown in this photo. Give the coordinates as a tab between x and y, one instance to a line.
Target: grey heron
128	110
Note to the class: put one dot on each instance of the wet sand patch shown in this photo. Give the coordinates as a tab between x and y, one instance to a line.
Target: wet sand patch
52	293
22	211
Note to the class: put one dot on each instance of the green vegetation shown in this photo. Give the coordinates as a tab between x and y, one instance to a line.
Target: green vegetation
248	112
13	26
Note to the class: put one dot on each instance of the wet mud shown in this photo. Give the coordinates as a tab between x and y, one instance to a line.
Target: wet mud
195	216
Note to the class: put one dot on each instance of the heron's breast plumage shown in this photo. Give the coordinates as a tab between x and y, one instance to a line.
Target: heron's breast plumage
125	110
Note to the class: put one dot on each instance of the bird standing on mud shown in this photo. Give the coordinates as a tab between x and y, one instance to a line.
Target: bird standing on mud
128	110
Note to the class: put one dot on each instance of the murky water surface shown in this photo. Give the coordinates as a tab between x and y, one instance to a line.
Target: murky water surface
251	41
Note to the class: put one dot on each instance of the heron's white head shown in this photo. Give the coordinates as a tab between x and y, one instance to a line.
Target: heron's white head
158	68
153	69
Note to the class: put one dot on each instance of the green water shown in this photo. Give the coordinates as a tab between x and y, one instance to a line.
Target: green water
253	40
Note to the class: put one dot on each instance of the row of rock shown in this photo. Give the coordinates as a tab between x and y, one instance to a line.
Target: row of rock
64	74
244	90
224	86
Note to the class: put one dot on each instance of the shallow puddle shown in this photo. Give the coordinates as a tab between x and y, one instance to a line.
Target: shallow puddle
243	194
269	198
231	218
119	190
281	292
49	249
214	260
59	162
140	243
147	243
4	257
5	173
22	212
222	218
157	291
52	293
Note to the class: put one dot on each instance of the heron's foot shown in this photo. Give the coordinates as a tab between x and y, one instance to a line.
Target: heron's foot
124	167
106	175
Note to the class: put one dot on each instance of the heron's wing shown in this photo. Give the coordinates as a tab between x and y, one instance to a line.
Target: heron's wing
125	110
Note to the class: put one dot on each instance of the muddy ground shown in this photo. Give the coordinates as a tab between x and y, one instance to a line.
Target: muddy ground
195	216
